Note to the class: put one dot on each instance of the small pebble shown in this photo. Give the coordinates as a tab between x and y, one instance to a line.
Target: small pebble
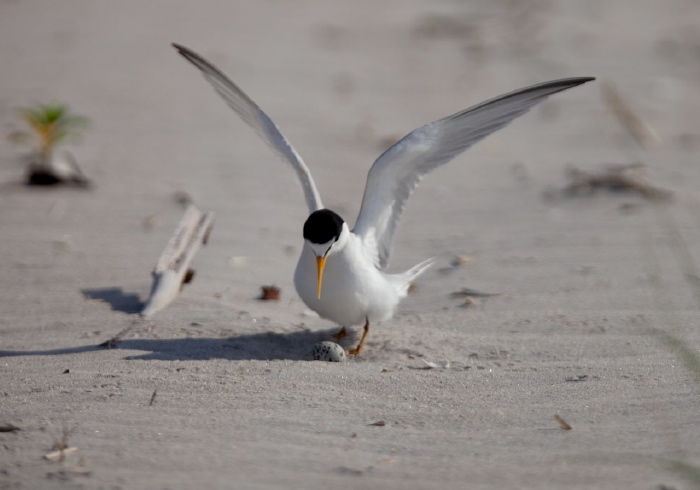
327	351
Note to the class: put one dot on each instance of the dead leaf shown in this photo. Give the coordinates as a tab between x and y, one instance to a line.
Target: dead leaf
270	293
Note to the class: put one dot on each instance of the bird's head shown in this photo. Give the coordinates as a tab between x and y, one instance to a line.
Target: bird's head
325	232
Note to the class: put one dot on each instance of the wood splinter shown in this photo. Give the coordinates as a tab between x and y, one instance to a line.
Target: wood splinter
562	423
172	270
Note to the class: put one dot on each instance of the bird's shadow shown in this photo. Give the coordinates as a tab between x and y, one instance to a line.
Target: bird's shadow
293	346
117	299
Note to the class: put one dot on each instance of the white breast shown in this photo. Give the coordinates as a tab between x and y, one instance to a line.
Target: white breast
353	288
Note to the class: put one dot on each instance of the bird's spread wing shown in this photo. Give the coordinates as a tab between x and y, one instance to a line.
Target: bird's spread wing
397	172
258	120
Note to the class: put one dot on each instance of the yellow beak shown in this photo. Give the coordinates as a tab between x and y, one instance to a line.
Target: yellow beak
321	263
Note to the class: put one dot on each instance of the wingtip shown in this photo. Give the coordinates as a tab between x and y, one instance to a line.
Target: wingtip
575	81
582	80
180	48
184	51
565	83
189	55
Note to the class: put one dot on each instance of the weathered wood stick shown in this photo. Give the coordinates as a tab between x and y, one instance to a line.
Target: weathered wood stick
640	131
172	269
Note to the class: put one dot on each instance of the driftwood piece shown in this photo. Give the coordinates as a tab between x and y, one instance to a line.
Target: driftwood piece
172	270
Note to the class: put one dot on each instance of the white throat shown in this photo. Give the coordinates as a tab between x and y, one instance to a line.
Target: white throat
331	246
322	249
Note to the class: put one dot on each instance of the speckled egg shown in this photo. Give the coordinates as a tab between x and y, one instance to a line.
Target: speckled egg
327	351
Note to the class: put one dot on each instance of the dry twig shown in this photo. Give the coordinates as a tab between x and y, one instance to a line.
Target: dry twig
636	127
562	423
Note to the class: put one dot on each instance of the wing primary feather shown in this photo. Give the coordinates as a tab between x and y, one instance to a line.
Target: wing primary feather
396	173
256	118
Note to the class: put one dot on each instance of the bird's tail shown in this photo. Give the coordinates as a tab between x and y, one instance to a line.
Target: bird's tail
403	280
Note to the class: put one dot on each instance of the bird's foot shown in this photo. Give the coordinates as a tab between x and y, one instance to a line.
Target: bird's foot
356	350
342	333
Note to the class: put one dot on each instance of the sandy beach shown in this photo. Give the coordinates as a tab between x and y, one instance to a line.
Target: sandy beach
596	315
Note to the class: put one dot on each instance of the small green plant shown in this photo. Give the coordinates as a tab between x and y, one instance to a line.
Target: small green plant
50	125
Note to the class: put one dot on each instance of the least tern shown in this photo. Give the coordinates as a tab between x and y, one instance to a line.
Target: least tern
340	273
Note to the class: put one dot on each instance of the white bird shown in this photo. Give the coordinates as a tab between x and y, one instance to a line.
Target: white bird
340	273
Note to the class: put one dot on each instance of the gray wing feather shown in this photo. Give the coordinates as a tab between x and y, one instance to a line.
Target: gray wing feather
256	118
397	172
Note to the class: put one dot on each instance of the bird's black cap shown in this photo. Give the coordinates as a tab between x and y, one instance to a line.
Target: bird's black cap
322	226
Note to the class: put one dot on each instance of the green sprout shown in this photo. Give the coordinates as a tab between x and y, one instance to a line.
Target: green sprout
51	124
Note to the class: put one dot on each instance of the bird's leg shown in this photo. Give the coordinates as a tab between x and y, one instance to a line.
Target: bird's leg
341	334
358	349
